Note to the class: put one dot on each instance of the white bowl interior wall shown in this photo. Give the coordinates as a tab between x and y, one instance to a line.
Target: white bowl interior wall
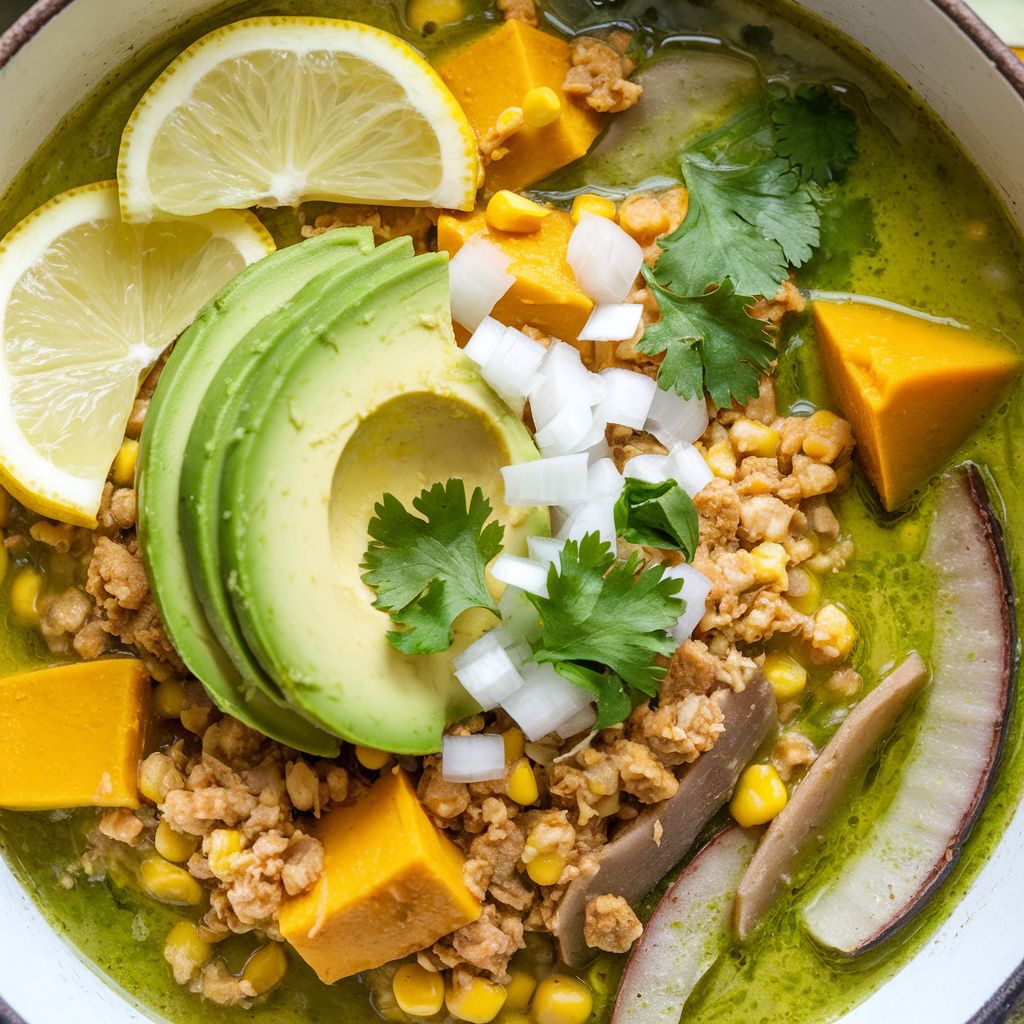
983	941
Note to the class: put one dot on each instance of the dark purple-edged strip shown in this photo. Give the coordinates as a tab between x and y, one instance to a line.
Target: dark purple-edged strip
1002	1004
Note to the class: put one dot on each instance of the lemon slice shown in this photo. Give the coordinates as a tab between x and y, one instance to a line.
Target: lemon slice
87	304
276	111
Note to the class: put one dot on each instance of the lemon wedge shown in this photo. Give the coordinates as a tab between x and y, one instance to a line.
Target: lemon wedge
275	111
87	304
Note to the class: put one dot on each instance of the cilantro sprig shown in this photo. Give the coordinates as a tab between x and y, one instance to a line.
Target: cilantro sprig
757	187
605	621
658	515
428	571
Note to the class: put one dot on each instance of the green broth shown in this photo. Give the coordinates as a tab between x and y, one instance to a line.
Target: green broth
935	239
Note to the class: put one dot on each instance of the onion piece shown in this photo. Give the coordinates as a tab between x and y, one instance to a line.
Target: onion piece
545	702
522	573
566	430
674	420
606	482
485	340
487	672
546	550
615	321
582	721
689	469
562	380
511	368
479	279
591	517
652	469
477	758
695	590
628	398
557	481
604	259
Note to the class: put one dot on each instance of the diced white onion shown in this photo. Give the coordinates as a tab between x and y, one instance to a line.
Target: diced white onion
564	433
615	321
562	379
519	618
674	420
687	467
545	702
628	398
479	278
582	721
604	259
558	481
485	340
522	573
477	758
696	587
652	469
606	482
520	654
511	368
591	517
487	672
546	550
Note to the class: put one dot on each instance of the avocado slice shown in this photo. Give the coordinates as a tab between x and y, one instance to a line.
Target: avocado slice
194	362
213	432
380	400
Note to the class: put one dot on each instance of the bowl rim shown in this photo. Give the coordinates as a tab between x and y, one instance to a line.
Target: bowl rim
1003	1002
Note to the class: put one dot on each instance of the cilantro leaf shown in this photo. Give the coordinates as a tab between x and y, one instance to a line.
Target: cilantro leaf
710	343
657	515
816	133
609	613
428	571
613	703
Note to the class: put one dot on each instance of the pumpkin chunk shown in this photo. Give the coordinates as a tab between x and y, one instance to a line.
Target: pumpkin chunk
545	294
392	884
72	736
912	388
498	71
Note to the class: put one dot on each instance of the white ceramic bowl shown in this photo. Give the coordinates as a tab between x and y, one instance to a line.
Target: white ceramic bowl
970	971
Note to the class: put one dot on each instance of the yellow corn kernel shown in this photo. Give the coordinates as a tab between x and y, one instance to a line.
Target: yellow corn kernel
168	883
25	596
721	460
752	438
519	987
169	698
371	759
760	795
224	843
196	718
509	211
513	1017
418	992
599	206
184	938
158	776
541	107
522	783
825	436
174	846
787	676
561	999
266	967
122	473
834	631
804	591
515	744
546	868
771	565
5	509
477	1002
426	16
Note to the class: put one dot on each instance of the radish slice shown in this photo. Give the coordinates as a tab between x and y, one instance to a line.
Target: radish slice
478	758
606	482
628	398
479	279
686	933
487	672
545	702
674	420
696	587
519	618
687	467
521	573
485	341
613	322
558	481
652	469
948	773
591	517
604	259
546	550
582	721
511	368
